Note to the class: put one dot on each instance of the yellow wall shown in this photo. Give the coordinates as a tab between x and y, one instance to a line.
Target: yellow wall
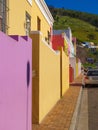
64	72
44	24
46	83
49	79
17	17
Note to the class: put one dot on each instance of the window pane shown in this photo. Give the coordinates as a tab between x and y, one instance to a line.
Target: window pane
28	24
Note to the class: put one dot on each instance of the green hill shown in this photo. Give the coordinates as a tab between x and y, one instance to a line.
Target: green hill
84	26
80	29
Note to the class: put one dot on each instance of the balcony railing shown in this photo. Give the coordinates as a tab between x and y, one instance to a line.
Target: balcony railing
4	15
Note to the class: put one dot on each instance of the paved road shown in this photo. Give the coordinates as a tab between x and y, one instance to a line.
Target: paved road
88	115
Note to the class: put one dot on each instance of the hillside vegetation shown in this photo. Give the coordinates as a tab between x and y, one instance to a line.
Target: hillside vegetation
90	18
84	26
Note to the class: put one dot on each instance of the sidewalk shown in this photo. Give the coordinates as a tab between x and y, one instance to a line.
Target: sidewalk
77	81
61	116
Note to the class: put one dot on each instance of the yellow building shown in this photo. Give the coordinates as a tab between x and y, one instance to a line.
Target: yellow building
64	72
22	16
46	79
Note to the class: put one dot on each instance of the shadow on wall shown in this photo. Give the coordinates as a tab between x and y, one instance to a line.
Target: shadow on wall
28	73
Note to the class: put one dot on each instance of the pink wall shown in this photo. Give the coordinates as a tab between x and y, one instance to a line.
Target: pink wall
72	61
57	41
15	86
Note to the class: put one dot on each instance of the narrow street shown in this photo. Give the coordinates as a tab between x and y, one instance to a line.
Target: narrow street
88	115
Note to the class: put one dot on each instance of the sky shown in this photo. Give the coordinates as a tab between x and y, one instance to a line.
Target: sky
89	6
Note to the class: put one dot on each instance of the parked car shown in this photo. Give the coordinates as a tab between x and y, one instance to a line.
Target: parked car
86	44
90	78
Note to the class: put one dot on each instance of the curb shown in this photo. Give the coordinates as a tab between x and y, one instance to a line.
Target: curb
76	112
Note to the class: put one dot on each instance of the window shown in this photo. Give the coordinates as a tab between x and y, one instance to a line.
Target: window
92	73
3	16
48	33
1	6
30	1
0	23
28	24
38	24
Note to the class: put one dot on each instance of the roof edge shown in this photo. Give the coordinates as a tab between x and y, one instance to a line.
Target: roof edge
45	11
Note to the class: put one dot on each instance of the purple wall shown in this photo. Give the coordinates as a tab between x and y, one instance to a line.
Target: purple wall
15	82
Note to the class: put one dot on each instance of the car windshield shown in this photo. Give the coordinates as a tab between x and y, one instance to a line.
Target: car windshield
92	73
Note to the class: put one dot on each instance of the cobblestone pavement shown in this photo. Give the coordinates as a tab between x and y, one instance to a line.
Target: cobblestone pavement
60	116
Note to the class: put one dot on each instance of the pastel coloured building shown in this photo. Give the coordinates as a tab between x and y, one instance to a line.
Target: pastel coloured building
15	82
58	39
22	17
59	42
50	68
68	38
46	80
33	18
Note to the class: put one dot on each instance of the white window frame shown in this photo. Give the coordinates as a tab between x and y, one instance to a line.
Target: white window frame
28	23
30	1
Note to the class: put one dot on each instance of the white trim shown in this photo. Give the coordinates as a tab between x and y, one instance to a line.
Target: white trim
30	2
45	11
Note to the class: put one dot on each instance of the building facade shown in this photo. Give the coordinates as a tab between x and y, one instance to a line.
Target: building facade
22	17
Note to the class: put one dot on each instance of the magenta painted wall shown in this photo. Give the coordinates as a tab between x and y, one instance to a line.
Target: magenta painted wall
57	41
15	88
